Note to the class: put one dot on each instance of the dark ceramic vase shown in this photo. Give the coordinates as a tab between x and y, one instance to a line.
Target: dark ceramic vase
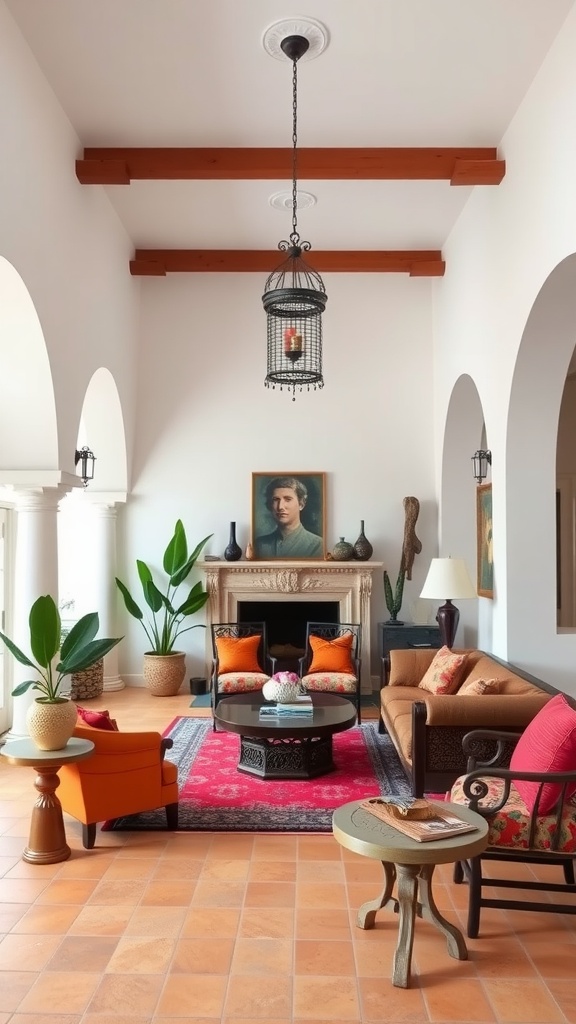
342	551
233	551
363	549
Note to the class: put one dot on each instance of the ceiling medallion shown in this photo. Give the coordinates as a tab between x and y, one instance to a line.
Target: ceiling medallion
315	33
283	200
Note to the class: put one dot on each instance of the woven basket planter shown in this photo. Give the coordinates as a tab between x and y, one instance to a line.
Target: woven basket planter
88	683
164	673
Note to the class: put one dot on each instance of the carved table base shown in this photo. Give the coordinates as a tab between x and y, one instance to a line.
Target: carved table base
287	758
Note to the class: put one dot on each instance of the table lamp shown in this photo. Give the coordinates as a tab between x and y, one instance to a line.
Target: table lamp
448	578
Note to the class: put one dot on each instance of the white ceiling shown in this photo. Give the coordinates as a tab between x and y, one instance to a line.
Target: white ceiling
195	73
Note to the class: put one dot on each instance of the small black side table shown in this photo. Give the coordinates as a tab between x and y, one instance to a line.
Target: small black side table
398	638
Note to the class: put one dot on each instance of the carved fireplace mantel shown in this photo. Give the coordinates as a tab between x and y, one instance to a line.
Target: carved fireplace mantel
348	583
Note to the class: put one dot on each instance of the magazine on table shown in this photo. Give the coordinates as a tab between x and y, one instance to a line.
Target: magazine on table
441	824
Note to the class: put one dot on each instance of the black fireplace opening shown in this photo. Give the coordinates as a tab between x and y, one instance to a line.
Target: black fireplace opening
286	622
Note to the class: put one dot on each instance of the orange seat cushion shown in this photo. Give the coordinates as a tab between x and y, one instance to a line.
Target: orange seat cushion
331	655
238	654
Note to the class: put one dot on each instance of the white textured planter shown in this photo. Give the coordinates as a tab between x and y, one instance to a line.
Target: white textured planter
164	673
51	724
281	692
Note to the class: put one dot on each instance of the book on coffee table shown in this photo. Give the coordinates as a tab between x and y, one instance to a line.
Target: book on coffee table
281	710
442	825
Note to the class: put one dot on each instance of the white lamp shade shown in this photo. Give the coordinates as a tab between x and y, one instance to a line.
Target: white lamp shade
448	578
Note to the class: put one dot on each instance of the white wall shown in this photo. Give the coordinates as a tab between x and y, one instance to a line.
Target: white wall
206	421
500	255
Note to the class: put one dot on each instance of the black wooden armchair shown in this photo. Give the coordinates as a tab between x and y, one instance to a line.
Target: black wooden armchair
240	659
516	834
332	660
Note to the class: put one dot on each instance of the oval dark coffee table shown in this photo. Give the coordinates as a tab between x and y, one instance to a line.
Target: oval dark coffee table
298	747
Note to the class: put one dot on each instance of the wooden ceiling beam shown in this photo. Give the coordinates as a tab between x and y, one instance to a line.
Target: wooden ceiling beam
159	262
458	165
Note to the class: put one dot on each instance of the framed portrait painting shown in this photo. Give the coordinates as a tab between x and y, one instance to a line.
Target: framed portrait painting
484	540
288	516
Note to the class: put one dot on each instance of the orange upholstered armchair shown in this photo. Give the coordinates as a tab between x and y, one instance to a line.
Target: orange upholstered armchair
126	774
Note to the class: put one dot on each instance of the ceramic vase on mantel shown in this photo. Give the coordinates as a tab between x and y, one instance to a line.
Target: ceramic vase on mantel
51	723
363	549
233	551
342	551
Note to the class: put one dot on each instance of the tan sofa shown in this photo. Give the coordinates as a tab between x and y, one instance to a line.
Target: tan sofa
427	729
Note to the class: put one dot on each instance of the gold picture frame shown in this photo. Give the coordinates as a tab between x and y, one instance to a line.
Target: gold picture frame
288	516
485	558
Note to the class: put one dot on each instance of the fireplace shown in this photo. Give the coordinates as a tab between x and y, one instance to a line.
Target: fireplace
286	622
345	585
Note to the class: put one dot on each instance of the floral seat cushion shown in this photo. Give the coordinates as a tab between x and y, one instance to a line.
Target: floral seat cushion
241	682
333	682
509	827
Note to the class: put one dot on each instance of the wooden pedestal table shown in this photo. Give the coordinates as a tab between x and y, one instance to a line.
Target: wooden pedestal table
412	864
47	839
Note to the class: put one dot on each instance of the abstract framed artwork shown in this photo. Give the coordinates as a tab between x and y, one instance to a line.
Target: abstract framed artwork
485	558
289	516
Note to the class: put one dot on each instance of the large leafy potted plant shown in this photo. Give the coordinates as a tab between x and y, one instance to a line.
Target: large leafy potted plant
165	668
52	716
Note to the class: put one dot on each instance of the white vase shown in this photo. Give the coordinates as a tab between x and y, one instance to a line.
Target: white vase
283	693
51	724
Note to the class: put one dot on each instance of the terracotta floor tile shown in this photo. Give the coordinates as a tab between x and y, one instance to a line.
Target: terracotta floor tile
234	846
139	954
87	864
118	892
366	870
270	894
523	1000
218	894
564	992
218	922
318	848
161	922
202	956
500	957
221	869
201	994
101	920
18	868
24	953
338	997
64	992
177	868
130	867
328	957
380	1001
67	890
22	890
169	894
272	871
83	953
449	998
263	956
117	991
44	1018
327	870
322	924
270	997
46	920
116	1018
273	847
323	896
551	961
256	925
374	959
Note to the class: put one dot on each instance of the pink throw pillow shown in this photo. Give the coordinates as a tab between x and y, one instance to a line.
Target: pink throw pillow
476	687
548	744
444	673
97	719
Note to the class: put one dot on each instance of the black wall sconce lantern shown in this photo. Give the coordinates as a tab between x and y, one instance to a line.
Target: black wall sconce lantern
86	458
481	459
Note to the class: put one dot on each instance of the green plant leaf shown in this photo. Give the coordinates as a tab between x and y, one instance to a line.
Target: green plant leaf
87	656
81	633
25	686
144	572
178	577
176	554
129	601
45	628
196	600
16	652
154	599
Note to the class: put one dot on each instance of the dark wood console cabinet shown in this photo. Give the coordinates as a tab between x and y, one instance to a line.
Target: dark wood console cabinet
397	638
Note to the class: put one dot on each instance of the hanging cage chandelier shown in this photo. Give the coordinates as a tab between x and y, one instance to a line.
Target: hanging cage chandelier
294	296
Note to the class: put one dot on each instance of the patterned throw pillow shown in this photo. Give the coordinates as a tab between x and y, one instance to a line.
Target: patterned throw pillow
548	744
476	687
444	673
238	654
332	655
97	719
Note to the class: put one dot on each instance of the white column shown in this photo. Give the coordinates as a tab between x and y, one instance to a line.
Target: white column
100	585
36	574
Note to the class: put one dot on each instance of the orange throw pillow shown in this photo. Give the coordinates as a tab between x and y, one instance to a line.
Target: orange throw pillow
476	687
332	655
445	672
238	654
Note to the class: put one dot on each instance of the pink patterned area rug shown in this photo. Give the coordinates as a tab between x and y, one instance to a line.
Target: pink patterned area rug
216	797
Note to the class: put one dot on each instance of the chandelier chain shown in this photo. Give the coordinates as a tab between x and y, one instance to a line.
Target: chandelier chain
294	237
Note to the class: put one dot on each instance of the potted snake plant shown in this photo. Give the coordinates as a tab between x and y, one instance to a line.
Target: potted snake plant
52	716
165	668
